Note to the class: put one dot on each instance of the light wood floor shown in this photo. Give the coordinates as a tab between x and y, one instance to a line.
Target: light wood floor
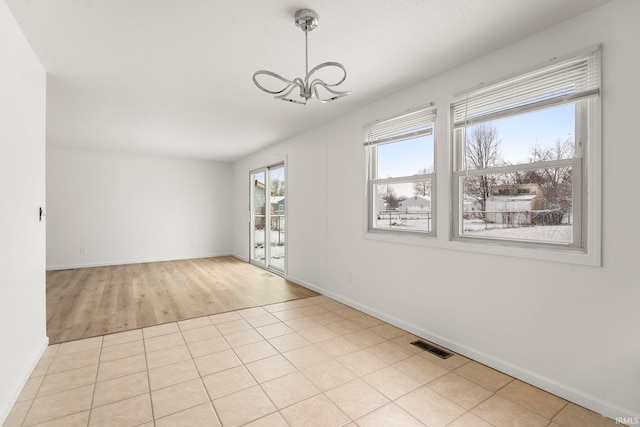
95	301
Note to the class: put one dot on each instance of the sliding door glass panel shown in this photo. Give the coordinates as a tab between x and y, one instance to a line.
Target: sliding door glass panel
268	213
277	218
258	217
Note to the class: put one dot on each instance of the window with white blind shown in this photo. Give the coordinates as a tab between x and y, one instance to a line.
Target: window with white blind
400	173
525	157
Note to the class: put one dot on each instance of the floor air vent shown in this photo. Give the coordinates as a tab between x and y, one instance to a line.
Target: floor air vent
431	349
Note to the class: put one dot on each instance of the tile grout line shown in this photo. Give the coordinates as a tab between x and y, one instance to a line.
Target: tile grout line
567	403
37	392
260	385
95	382
44	376
146	364
244	365
391	401
300	371
64	390
204	387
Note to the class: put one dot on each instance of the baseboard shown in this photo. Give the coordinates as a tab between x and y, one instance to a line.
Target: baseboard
135	261
240	257
576	396
13	398
568	393
310	286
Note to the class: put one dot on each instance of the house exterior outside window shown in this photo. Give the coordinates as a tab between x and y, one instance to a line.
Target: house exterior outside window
525	153
400	173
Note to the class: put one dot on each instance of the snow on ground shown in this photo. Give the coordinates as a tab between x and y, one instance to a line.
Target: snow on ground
478	228
277	248
539	233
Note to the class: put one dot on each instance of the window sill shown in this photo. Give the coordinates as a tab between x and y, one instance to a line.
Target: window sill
501	248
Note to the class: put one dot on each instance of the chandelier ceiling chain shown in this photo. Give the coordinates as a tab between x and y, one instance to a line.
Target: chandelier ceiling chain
307	20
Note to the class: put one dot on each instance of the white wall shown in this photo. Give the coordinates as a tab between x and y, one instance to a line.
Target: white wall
22	192
570	329
305	185
126	208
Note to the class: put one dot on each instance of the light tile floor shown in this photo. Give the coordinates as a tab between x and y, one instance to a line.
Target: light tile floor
309	362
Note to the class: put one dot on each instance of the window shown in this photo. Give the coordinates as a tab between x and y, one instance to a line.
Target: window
400	180
522	150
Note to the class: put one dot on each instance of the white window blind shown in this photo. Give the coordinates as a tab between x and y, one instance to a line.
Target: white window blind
410	125
566	80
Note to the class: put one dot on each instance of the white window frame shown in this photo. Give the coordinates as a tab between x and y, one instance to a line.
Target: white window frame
410	124
586	164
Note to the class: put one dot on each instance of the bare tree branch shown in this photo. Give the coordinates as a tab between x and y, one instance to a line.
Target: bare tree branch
482	150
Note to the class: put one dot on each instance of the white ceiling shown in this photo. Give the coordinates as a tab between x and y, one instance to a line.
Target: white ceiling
173	77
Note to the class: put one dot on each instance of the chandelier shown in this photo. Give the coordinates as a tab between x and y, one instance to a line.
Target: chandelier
300	90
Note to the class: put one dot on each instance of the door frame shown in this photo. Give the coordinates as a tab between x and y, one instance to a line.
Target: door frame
273	165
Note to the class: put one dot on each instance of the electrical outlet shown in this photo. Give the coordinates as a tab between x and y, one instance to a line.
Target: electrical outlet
83	251
349	275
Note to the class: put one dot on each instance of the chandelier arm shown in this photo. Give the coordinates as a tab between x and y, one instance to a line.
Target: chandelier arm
285	96
324	65
299	82
336	94
318	82
288	83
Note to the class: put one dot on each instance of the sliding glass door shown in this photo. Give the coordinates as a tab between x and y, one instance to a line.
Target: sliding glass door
268	213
